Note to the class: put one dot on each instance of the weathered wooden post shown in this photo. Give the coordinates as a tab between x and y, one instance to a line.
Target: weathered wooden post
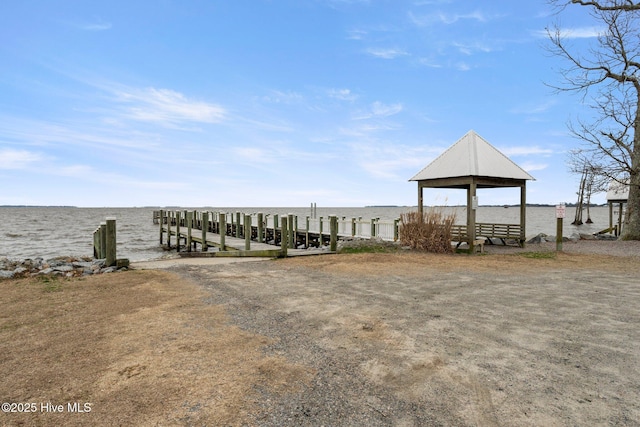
96	243
284	244
333	228
247	232
177	231
169	229
320	231
560	212
620	213
306	234
161	224
396	229
373	228
223	229
205	228
103	239
189	226
238	225
291	235
110	253
260	227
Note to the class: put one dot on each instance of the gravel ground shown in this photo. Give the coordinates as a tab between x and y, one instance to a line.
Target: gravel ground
451	340
617	248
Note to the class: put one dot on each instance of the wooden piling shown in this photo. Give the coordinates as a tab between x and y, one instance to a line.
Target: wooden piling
110	241
96	243
205	228
169	229
247	232
284	233
161	224
189	227
333	229
178	219
223	230
260	227
291	236
103	239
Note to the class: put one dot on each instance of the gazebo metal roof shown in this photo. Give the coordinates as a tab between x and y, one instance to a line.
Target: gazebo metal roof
471	155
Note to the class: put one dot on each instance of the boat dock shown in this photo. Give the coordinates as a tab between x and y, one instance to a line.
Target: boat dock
258	234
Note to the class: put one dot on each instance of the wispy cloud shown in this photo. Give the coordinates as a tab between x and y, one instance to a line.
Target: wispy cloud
530	167
449	18
93	25
101	26
283	97
387	53
75	171
356	34
167	107
572	33
471	48
254	155
379	109
429	62
342	94
17	159
365	130
383	110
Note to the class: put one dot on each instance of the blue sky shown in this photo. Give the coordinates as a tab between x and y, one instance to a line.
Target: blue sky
275	102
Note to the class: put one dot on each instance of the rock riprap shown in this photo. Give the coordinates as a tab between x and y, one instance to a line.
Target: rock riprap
60	266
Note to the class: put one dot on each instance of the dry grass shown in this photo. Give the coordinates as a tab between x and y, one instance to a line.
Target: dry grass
141	347
430	233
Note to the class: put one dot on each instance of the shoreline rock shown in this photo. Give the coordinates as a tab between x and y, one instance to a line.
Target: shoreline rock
59	266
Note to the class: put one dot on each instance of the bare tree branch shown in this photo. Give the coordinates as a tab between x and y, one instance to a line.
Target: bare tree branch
608	77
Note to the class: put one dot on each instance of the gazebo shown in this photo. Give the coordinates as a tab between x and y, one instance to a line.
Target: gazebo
472	163
618	192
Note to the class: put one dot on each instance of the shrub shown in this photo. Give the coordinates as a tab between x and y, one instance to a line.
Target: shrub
431	233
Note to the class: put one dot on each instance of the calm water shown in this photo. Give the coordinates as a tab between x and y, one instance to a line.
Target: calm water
51	231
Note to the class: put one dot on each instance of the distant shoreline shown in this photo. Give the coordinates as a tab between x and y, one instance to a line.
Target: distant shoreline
531	205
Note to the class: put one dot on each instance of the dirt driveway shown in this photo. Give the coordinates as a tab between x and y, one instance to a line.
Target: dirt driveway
438	340
340	340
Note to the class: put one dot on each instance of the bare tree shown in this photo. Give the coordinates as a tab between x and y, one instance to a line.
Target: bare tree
592	181
608	73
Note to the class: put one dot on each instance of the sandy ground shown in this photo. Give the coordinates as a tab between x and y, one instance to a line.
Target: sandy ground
405	339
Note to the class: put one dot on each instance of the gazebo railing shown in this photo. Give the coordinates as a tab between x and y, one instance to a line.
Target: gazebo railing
498	231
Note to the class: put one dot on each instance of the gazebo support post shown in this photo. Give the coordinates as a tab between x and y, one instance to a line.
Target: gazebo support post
471	214
610	216
620	218
420	201
523	213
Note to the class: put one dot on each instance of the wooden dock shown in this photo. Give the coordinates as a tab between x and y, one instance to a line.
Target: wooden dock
241	234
